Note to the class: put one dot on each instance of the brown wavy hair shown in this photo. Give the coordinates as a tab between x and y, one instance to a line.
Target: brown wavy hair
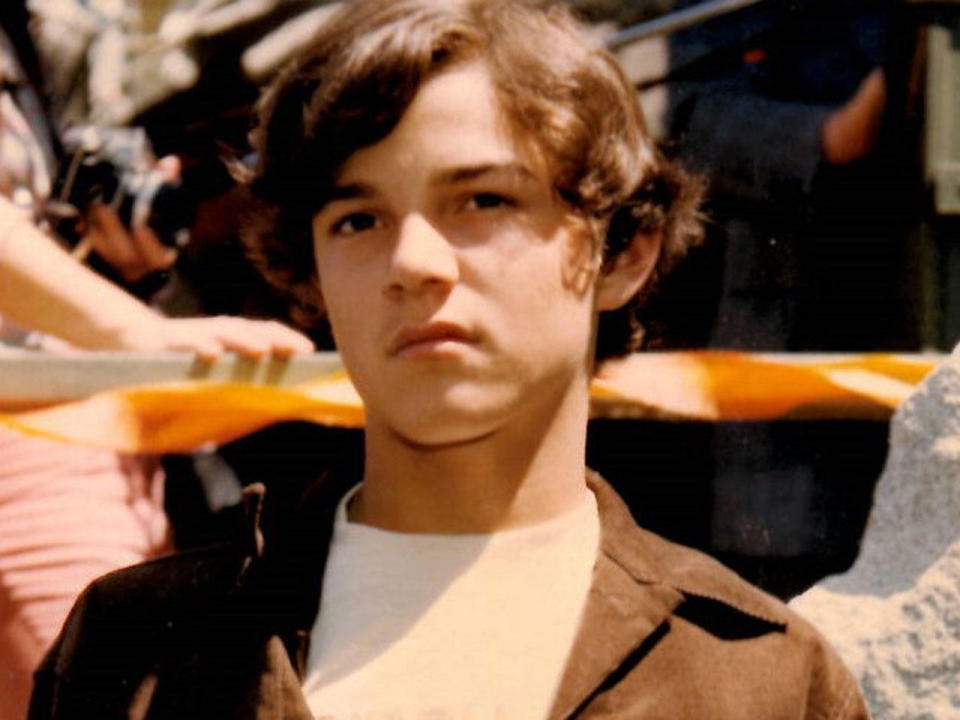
349	87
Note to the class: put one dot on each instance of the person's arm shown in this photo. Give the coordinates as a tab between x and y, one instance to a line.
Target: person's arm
43	288
850	132
759	148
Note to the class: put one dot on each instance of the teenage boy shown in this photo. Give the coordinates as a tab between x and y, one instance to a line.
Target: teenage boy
466	192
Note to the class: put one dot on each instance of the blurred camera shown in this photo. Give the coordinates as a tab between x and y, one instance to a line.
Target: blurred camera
117	167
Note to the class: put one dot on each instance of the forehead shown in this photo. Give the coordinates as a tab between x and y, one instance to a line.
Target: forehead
455	120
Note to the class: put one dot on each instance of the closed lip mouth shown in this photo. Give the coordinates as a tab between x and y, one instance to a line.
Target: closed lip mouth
428	332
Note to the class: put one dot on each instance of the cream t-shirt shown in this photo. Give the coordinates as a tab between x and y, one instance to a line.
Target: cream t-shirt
449	627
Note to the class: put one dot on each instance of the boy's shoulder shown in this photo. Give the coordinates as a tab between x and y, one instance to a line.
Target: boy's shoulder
704	637
664	624
707	592
190	581
651	558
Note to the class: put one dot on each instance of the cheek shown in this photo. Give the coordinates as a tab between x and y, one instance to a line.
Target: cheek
542	301
337	289
557	274
345	304
341	269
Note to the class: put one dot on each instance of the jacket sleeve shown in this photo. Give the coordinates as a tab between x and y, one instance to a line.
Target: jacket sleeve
123	627
62	671
834	692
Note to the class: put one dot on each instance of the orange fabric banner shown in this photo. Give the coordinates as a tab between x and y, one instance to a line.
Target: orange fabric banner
720	385
717	386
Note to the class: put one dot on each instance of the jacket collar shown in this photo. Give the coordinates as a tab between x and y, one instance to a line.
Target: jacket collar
625	610
281	585
652	560
639	580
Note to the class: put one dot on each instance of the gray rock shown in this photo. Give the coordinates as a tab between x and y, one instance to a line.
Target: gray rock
895	615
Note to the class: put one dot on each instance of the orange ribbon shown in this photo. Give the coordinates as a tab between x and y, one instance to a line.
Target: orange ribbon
182	416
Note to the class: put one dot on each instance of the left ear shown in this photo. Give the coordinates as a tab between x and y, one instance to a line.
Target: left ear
629	272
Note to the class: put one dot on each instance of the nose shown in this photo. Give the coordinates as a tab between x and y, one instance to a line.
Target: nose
423	258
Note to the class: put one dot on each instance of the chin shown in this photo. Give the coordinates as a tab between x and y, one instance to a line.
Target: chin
457	419
445	439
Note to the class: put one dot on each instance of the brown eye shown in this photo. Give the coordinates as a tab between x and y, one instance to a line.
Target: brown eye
485	201
355	223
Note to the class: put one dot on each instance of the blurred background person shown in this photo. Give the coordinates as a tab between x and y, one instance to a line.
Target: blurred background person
69	514
803	117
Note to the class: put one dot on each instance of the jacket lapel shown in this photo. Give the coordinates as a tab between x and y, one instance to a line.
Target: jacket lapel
287	587
280	696
626	610
278	597
624	616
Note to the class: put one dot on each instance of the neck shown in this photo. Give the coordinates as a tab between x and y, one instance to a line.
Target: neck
527	471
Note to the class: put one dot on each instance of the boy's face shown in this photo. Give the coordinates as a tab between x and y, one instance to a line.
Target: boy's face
459	288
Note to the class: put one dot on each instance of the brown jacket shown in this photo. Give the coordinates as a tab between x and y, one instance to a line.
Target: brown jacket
667	633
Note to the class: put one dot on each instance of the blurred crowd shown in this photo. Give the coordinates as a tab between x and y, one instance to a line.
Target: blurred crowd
119	229
805	119
92	225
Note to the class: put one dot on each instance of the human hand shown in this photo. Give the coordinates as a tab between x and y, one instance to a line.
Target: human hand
850	131
136	251
210	337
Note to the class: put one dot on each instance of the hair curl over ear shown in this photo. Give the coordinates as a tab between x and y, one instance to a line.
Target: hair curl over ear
667	204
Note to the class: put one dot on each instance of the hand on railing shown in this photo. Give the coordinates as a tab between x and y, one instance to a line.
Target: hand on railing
210	337
43	288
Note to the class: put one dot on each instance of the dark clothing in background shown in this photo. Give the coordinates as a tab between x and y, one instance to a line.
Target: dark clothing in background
812	254
800	255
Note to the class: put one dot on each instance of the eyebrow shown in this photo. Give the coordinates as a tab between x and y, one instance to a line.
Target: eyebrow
451	176
345	192
474	172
